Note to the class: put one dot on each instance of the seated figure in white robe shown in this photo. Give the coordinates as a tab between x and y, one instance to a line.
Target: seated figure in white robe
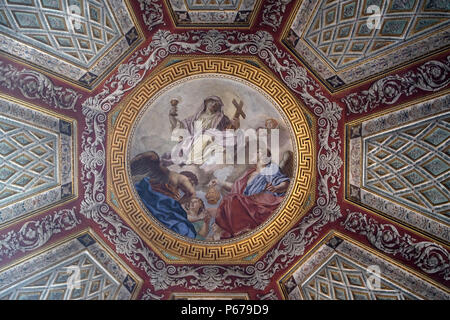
204	132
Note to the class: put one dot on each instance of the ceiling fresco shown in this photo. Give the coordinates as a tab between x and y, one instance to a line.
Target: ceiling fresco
267	150
213	178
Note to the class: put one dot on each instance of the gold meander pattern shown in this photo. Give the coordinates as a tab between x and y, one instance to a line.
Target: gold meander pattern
232	251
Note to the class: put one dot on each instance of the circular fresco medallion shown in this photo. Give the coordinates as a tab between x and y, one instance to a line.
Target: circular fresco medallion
218	160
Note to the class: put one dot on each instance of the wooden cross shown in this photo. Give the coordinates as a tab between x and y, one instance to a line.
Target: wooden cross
239	112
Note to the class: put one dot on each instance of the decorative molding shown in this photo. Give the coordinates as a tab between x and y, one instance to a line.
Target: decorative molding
210	277
34	85
35	234
428	256
430	77
153	14
273	13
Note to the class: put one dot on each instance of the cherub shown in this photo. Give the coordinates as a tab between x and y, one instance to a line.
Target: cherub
199	216
162	179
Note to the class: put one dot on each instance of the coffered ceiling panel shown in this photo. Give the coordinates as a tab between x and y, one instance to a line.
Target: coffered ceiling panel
79	39
238	13
346	42
78	269
400	160
339	269
37	159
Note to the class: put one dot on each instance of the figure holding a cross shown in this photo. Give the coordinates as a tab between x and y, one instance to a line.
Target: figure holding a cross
210	118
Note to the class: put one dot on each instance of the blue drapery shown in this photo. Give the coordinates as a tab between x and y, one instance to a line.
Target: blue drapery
270	174
165	209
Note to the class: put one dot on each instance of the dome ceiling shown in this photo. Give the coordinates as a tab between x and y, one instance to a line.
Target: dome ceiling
94	203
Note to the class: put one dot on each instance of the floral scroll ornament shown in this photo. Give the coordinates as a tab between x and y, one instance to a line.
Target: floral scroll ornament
209	277
273	13
430	257
34	85
35	234
152	13
431	77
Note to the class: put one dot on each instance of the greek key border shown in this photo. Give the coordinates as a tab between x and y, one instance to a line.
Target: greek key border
235	251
